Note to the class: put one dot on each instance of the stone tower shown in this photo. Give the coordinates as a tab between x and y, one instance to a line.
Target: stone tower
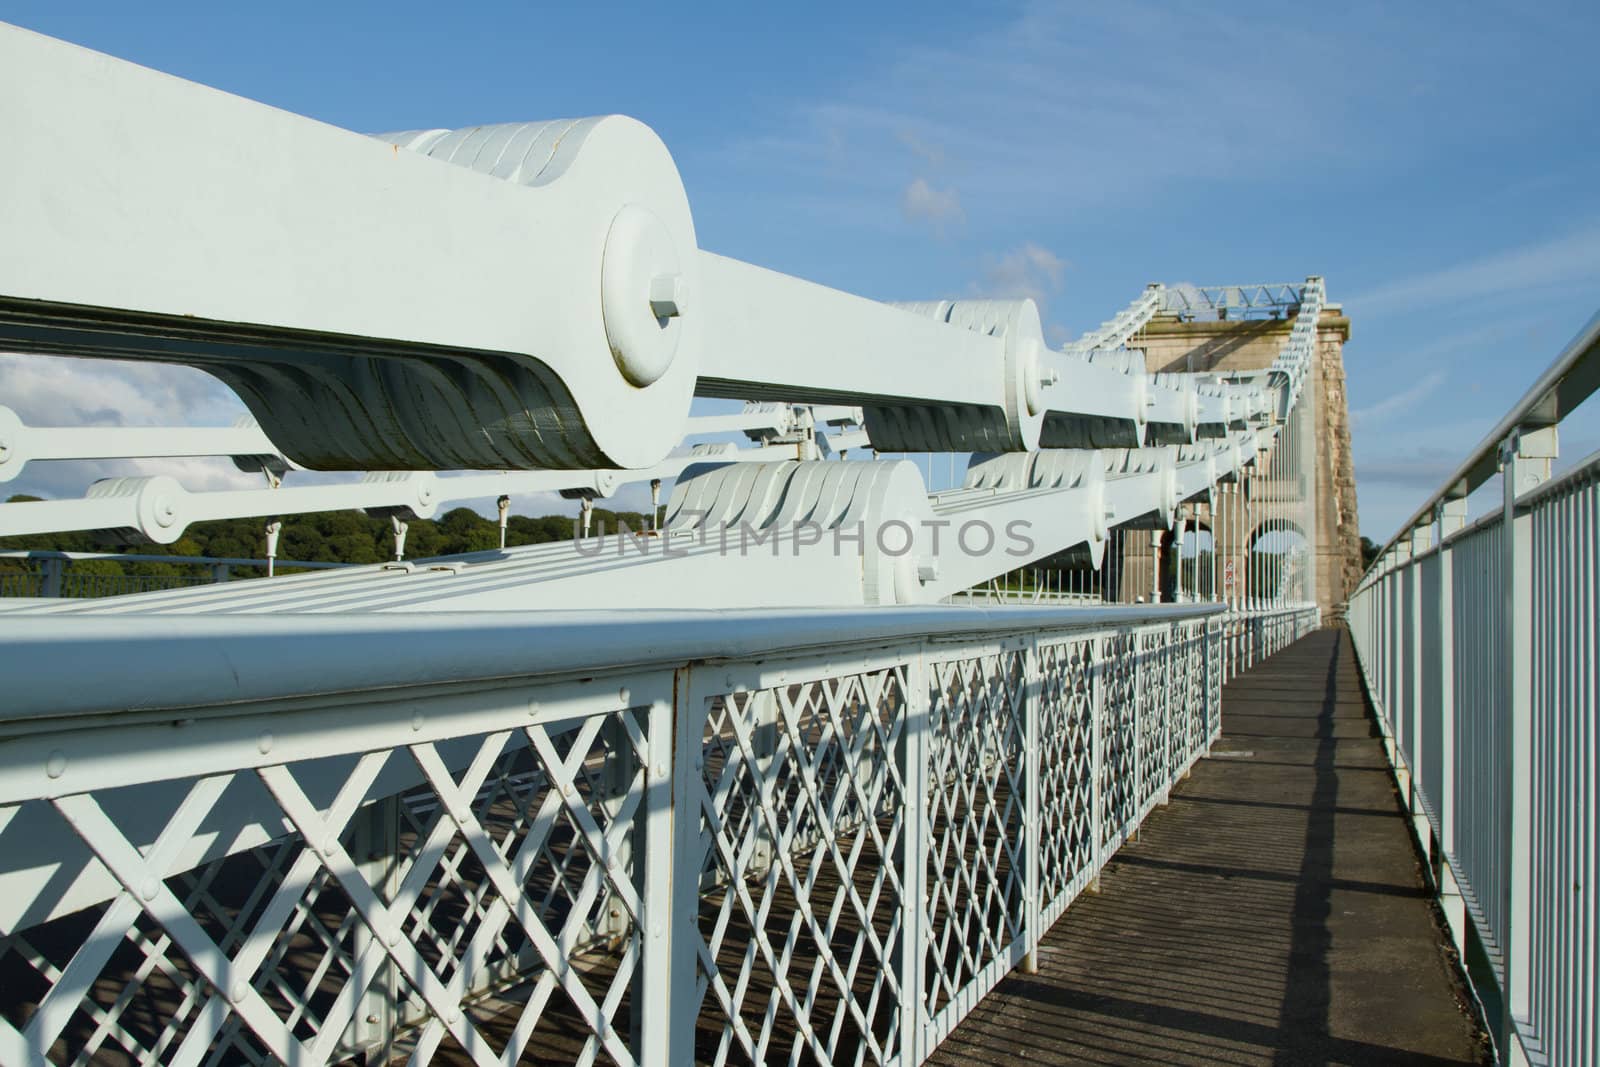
1172	344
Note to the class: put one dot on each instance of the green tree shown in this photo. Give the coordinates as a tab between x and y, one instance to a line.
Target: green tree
1369	551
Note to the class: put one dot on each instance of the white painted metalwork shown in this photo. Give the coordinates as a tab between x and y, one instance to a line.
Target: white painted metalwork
359	343
1478	644
1231	300
392	810
474	846
1118	331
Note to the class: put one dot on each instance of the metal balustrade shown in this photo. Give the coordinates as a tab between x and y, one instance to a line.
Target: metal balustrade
310	838
1479	648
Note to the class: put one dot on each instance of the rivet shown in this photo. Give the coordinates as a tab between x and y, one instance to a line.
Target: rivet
566	790
416	721
149	889
264	742
728	681
239	992
455	1015
622	695
330	846
661	770
372	1020
533	707
658	929
55	765
391	936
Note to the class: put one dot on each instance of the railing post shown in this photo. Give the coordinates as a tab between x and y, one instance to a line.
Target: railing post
674	851
375	847
1169	691
914	862
1033	695
51	586
1421	541
611	792
1451	516
1525	462
1138	733
1097	754
1214	680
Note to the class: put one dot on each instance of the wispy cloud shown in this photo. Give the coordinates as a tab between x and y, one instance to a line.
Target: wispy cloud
933	154
940	208
1399	402
1028	271
1044	110
1571	259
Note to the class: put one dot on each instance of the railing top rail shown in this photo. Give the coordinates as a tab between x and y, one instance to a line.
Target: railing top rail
217	660
1566	383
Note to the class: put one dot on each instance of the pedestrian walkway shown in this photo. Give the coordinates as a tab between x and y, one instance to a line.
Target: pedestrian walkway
1274	912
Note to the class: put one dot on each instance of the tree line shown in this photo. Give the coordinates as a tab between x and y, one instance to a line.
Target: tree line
325	537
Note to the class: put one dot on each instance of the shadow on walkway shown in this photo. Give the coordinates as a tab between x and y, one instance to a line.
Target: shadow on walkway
1273	913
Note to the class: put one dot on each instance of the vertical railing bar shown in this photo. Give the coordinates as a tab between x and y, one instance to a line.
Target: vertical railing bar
1033	696
915	931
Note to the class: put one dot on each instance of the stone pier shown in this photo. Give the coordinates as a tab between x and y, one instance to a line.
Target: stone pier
1172	344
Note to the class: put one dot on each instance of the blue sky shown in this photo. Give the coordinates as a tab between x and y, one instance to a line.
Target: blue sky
1438	166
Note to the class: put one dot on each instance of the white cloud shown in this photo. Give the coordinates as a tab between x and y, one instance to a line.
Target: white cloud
921	202
62	391
1029	270
58	391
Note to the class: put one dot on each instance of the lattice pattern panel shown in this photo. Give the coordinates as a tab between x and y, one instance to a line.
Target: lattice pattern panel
803	823
1183	710
1154	685
977	804
1193	699
490	903
1066	766
1214	665
1118	716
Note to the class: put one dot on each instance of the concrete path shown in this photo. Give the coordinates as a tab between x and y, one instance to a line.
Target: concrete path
1272	913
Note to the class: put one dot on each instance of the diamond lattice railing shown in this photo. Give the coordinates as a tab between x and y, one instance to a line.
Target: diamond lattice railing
1066	770
1119	715
867	845
370	913
1153	686
974	820
803	820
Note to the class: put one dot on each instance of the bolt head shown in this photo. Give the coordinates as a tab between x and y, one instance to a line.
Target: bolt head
668	295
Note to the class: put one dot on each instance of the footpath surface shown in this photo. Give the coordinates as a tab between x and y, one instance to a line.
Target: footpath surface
1273	912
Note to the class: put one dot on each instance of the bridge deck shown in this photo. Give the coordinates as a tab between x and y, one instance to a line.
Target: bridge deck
1274	912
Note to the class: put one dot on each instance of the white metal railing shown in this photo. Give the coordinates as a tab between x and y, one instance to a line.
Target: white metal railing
1478	645
670	836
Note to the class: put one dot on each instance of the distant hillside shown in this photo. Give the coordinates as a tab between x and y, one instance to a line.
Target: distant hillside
328	537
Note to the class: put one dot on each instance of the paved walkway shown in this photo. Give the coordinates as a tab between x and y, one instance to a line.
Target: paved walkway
1272	913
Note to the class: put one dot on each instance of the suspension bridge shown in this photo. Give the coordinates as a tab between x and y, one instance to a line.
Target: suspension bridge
822	762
